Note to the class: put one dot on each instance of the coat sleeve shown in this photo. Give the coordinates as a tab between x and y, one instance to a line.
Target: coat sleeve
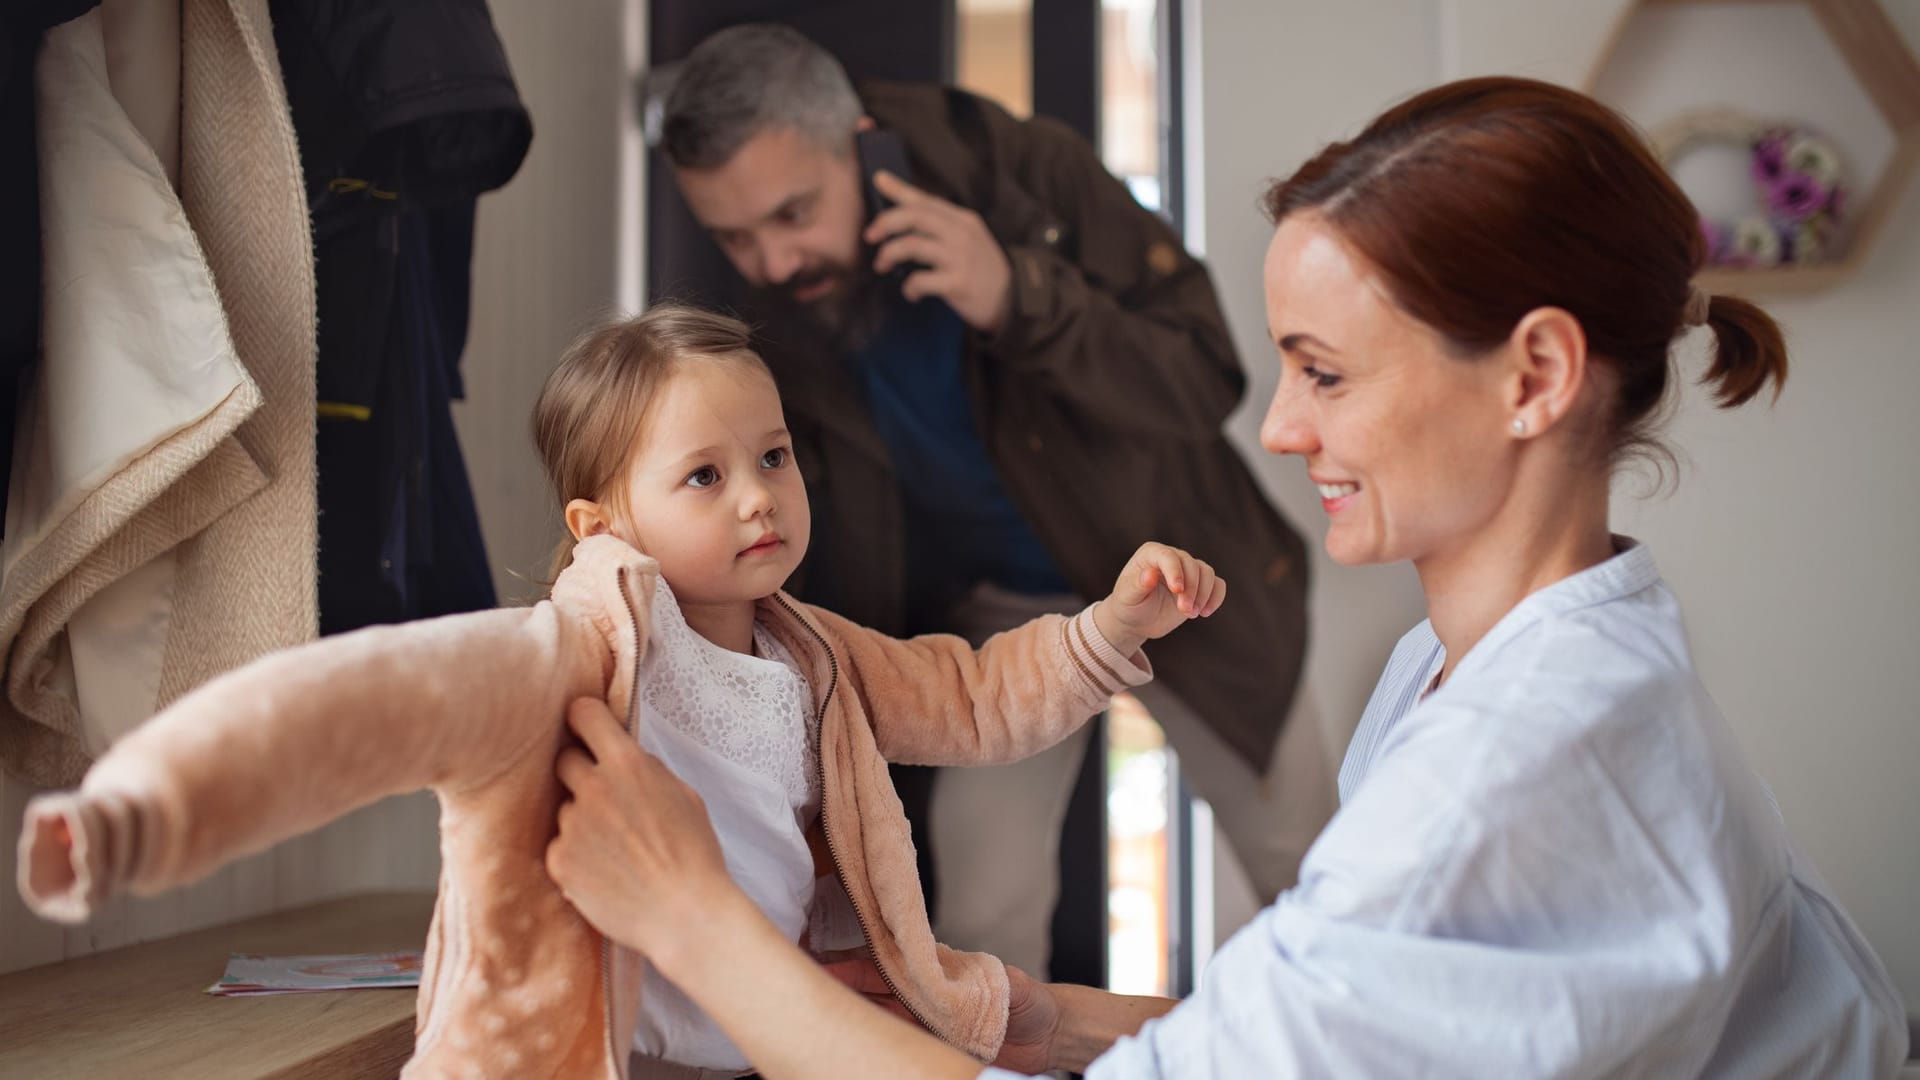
1114	314
300	737
935	700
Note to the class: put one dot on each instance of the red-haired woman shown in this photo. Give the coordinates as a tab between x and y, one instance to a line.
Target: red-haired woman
1551	858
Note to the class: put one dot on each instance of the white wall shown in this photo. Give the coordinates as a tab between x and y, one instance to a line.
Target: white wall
1276	81
1794	537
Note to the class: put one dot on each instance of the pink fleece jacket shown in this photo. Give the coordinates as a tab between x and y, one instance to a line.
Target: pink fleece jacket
473	706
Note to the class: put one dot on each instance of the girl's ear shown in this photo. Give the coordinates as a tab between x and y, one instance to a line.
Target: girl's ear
586	518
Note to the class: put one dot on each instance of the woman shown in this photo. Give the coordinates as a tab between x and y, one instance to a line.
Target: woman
1550	858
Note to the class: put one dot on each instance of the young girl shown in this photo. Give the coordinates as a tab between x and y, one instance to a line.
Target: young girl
664	435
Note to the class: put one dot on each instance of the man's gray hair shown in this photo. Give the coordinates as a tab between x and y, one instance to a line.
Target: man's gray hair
748	79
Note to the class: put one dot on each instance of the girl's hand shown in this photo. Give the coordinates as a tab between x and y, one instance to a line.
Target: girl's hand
635	853
1033	1022
1033	1016
1160	588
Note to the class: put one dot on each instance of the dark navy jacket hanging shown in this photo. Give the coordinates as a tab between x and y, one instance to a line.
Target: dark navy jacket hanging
406	112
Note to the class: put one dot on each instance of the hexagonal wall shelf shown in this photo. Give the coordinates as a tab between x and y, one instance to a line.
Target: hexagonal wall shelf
1880	60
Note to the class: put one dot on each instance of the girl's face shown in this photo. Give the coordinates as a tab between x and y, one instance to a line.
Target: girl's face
712	491
1407	443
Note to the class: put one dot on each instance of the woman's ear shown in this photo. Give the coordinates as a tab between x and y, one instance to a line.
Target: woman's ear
586	518
1549	351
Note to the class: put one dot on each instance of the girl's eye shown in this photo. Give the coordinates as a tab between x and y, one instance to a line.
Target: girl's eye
774	458
1320	378
705	476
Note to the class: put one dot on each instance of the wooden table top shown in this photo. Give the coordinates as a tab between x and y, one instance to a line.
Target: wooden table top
143	1011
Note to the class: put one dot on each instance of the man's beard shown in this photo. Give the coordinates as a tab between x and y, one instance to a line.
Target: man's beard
846	320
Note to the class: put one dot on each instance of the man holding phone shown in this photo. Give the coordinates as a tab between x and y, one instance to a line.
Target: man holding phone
1002	374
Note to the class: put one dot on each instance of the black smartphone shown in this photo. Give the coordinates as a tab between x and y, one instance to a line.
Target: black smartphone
880	149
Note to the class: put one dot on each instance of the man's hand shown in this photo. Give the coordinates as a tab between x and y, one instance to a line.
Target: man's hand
1160	588
964	264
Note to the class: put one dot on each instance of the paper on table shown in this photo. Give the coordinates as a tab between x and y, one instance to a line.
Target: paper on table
251	975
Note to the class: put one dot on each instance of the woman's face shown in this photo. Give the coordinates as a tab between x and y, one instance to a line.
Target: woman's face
1407	442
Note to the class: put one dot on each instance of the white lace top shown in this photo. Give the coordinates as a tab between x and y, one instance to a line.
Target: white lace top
739	729
755	711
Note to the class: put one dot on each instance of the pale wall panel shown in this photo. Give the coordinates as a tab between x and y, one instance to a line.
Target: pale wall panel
546	261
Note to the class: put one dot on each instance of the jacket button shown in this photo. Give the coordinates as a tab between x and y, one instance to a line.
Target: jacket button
1051	236
1034	444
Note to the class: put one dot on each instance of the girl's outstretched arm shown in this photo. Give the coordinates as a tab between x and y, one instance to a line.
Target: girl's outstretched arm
300	737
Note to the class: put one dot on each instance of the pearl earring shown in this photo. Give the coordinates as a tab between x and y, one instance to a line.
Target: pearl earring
1519	426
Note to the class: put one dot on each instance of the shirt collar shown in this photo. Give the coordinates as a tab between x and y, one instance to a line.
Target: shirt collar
1629	571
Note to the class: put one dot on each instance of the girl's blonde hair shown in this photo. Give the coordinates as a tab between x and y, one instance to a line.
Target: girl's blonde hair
591	410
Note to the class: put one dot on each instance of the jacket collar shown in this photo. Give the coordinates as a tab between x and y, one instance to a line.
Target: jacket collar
610	584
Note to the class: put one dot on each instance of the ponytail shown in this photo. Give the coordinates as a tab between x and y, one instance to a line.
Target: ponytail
1748	351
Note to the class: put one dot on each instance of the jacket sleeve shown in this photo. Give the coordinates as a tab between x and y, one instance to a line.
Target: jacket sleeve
935	700
1108	308
296	739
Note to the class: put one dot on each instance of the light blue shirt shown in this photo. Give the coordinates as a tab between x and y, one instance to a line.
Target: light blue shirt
1558	864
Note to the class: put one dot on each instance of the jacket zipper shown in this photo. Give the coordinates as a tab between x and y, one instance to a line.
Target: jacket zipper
633	727
826	824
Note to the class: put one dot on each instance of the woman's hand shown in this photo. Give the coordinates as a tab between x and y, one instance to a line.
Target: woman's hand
635	852
637	855
1160	588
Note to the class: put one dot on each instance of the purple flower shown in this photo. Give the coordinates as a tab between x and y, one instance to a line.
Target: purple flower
1796	197
1769	157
